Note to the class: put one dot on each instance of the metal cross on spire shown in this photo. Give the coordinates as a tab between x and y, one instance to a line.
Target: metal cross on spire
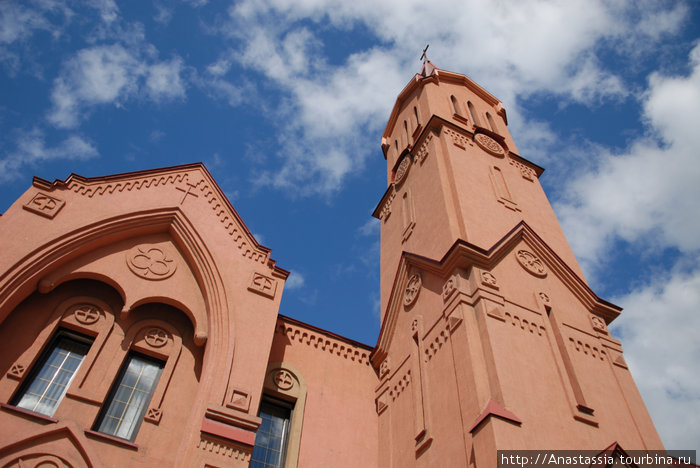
424	56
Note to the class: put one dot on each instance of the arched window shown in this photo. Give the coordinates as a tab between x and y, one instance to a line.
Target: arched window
143	375
472	113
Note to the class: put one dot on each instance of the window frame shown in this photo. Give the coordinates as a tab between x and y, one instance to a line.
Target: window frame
42	360
117	383
287	407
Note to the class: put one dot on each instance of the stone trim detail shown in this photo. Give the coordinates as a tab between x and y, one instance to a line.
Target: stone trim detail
151	262
17	371
489	145
433	343
587	349
263	285
422	152
531	262
323	343
219	208
494	409
218	447
386	209
384	368
458	139
402	170
381	402
524	324
44	205
399	386
527	172
240	400
153	415
620	361
489	280
599	324
230	224
128	185
412	290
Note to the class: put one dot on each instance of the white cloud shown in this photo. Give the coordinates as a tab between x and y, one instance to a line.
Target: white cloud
294	281
659	333
213	83
646	193
370	228
30	149
110	75
647	197
109	11
18	21
163	14
517	47
164	82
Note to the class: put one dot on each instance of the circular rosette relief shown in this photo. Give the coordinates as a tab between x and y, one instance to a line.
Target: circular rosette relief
489	145
402	170
151	262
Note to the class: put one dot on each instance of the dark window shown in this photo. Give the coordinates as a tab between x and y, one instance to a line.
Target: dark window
123	411
46	386
271	439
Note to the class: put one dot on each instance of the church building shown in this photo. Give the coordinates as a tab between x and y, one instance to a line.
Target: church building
140	322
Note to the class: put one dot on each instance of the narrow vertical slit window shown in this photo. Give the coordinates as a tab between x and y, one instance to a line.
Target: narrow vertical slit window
492	124
415	112
454	105
472	112
53	374
128	400
405	131
271	439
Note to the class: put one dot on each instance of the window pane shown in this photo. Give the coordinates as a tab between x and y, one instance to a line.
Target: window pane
271	438
51	379
124	409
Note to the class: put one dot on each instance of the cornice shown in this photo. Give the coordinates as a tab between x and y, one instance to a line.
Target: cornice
323	340
188	177
465	255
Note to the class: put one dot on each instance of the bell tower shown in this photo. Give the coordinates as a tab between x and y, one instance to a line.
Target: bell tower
491	338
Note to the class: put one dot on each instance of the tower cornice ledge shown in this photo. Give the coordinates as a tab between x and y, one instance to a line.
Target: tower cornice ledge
465	255
419	81
436	125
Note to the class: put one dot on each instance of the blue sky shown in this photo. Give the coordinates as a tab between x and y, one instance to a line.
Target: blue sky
285	102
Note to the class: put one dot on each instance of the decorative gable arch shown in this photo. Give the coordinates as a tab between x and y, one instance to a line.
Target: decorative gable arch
41	270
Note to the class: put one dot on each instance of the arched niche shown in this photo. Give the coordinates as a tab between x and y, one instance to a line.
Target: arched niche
212	324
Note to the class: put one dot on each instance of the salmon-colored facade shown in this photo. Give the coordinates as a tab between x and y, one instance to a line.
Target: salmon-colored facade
140	324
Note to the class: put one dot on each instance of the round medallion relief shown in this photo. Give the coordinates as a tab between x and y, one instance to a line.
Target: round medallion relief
87	314
531	263
489	144
402	170
283	379
156	337
412	290
150	262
